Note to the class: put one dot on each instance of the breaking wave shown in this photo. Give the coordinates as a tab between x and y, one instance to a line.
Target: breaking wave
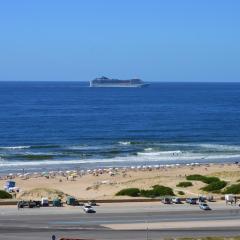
15	147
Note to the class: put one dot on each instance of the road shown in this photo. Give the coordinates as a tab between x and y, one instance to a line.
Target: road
119	221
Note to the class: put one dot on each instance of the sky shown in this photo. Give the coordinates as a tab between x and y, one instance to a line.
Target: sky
155	40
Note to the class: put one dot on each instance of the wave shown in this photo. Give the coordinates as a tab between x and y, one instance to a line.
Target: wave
128	160
85	147
45	146
166	153
124	143
148	149
220	147
16	147
202	146
29	147
29	156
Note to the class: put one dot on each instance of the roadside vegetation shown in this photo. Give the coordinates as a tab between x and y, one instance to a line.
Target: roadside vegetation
181	193
184	184
155	191
5	195
214	184
204	179
215	187
132	192
233	189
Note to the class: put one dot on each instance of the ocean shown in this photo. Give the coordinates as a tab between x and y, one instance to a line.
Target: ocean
66	125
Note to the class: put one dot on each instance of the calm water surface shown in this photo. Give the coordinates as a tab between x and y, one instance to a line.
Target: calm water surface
61	124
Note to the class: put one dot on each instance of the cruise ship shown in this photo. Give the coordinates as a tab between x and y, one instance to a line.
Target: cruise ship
108	82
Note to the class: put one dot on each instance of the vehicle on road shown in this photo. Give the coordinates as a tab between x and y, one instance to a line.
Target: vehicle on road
88	209
204	206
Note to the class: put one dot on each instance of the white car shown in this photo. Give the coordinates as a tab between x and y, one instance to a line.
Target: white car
88	209
204	206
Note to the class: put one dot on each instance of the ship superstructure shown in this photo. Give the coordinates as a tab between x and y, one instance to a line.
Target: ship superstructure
108	82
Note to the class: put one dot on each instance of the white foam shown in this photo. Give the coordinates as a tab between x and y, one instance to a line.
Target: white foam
15	147
124	143
212	146
131	159
165	153
148	149
221	147
86	147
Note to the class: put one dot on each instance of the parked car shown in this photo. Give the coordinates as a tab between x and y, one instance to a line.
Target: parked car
167	200
29	204
204	206
88	209
44	202
192	201
57	202
177	200
22	204
72	201
92	203
202	199
210	198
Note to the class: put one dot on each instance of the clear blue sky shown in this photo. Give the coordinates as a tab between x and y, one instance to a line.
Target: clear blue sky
156	40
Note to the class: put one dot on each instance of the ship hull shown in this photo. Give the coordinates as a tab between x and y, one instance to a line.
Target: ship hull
119	85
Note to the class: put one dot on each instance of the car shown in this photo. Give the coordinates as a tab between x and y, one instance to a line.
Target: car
88	209
177	200
204	206
92	203
202	199
22	204
167	200
191	201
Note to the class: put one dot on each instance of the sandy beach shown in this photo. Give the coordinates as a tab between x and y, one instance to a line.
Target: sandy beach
105	183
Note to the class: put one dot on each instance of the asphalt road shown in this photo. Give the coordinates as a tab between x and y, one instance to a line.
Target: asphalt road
42	223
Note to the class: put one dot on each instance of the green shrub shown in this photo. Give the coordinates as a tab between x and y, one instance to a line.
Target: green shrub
215	186
205	179
210	180
181	193
234	189
5	195
184	184
156	191
132	192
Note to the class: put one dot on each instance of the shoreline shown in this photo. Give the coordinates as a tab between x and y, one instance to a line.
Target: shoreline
78	165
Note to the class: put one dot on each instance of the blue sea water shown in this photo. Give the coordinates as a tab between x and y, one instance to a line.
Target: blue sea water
48	125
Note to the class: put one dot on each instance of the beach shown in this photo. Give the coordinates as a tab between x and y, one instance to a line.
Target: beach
105	183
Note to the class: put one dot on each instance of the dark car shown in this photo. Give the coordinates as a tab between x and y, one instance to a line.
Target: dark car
192	201
22	204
